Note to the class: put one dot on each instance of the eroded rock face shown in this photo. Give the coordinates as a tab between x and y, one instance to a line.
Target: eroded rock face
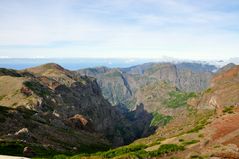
223	91
122	86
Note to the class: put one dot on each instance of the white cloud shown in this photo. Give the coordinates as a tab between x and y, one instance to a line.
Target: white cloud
117	28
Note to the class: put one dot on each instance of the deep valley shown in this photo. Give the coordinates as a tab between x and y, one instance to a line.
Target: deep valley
153	110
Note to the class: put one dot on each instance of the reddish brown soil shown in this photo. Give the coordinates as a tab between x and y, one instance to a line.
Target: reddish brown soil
234	140
228	124
227	75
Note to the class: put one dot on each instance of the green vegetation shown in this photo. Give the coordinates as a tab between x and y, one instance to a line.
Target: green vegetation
130	103
3	113
130	152
200	125
16	148
165	149
60	157
9	72
196	129
113	74
123	150
153	69
196	157
228	110
11	148
137	151
1	97
185	143
26	113
37	88
157	142
178	99
201	135
159	119
4	110
209	90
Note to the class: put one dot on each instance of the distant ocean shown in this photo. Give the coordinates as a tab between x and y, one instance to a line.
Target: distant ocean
69	63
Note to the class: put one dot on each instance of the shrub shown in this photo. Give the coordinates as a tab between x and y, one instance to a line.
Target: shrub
11	148
200	135
157	142
196	157
60	157
200	125
165	149
159	119
130	152
1	97
209	90
123	150
178	99
228	110
37	88
190	142
113	74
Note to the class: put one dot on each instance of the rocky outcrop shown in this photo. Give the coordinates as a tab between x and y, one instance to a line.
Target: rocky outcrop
28	152
80	122
61	108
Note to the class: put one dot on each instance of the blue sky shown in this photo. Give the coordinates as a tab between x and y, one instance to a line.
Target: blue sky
186	29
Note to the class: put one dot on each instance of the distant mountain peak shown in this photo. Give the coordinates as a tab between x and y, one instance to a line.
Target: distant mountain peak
50	66
48	69
226	68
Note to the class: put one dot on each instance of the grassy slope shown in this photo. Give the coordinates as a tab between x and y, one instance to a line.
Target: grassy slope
173	137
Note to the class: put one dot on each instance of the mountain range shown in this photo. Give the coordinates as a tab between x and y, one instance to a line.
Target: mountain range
127	85
157	108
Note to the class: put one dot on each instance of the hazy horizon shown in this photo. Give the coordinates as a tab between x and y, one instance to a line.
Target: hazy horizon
80	63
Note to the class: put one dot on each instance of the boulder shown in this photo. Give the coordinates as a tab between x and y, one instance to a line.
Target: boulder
28	152
79	122
22	133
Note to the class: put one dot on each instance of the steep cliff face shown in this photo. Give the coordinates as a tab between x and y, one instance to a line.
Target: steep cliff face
223	90
124	85
54	98
192	81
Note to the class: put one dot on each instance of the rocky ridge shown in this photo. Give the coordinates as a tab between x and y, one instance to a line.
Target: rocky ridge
66	106
122	85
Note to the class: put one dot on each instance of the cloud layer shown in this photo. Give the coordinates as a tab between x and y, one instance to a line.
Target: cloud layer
119	28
